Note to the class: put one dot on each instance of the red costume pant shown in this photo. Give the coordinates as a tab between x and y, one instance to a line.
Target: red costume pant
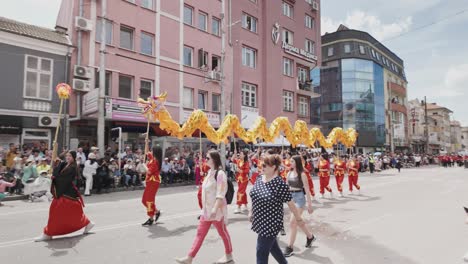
339	182
311	184
242	183
199	196
324	184
149	197
353	181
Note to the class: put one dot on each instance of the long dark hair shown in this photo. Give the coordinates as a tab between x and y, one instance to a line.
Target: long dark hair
299	168
157	154
214	155
246	155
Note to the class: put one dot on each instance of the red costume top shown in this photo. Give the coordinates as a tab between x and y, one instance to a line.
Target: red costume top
287	167
324	168
152	175
307	168
244	168
353	168
340	168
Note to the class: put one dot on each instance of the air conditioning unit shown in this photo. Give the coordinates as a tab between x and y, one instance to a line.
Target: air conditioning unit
83	24
48	121
81	85
83	72
215	76
314	6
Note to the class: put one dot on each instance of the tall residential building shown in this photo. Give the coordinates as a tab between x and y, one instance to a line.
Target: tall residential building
439	128
455	136
175	46
33	61
465	139
416	119
363	86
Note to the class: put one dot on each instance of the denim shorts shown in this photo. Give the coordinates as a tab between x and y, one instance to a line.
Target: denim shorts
299	199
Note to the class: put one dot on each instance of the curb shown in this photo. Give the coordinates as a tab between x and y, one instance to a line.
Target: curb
111	190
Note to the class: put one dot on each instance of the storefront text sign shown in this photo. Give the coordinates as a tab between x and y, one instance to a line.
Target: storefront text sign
300	53
213	118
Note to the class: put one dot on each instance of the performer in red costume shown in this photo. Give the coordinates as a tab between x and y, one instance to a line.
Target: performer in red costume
353	173
286	166
324	174
203	171
340	168
242	178
256	161
66	210
153	180
308	168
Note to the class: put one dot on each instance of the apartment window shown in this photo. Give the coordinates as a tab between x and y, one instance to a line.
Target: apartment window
38	82
378	55
202	100
147	43
146	88
309	21
215	26
188	97
125	87
188	15
347	48
216	102
109	29
288	36
288	101
310	46
287	67
126	37
249	95
188	56
249	22
287	10
202	58
215	63
362	49
148	4
203	21
303	106
108	81
249	57
302	75
330	51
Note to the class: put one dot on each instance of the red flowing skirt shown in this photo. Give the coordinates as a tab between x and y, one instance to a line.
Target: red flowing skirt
65	216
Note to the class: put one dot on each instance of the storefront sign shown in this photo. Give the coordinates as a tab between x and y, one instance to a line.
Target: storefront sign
124	110
213	118
90	102
300	53
249	115
275	33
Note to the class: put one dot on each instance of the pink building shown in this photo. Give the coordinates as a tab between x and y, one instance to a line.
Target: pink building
175	46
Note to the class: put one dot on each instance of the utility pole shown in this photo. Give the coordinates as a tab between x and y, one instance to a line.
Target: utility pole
426	128
221	82
102	82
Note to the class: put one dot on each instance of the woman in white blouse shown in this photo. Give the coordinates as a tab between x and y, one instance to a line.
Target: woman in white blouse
214	211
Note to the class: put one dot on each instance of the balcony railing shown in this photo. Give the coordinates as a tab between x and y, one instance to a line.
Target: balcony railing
398	108
397	88
305	86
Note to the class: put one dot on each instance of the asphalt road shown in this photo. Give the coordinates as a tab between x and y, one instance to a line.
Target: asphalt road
412	217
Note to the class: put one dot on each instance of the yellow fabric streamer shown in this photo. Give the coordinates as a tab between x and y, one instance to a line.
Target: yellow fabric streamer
154	110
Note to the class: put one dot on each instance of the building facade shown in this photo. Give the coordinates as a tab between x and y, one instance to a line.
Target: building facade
439	128
417	136
465	139
33	61
455	136
363	86
175	46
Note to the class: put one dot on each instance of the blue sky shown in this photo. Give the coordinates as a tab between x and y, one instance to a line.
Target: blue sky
436	57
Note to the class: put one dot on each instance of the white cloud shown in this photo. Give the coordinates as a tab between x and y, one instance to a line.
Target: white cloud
360	20
456	81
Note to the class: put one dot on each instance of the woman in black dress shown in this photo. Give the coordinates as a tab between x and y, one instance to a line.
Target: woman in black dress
66	210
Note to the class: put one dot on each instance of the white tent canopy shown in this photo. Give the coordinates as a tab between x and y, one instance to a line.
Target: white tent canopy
278	142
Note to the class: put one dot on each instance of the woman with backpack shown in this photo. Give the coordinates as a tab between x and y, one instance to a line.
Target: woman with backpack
214	211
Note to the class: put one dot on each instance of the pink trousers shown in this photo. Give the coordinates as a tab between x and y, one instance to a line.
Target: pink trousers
203	228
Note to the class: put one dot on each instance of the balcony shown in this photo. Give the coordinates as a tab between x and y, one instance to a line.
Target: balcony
398	108
306	88
396	88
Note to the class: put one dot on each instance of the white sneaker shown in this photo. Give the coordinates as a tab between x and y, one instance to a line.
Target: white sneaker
322	196
465	258
244	208
331	195
359	192
225	259
88	228
237	211
341	194
43	237
183	260
317	200
351	192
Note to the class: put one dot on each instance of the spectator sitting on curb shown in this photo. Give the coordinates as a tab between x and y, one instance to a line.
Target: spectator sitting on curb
3	185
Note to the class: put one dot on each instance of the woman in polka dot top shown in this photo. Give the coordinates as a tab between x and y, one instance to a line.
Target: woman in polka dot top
268	195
